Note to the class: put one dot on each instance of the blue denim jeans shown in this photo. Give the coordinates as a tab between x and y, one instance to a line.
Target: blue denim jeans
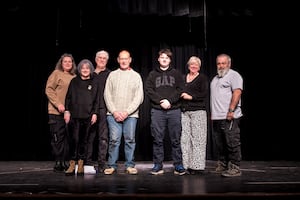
116	130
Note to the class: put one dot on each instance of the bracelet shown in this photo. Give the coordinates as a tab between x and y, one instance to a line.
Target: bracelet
67	112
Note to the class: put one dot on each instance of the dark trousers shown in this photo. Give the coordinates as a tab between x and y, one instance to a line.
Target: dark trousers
59	137
79	129
227	139
98	140
166	121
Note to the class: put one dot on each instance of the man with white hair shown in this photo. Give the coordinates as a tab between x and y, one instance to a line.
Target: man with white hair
226	90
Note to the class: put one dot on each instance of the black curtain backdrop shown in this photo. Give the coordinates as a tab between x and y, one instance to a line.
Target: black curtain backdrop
36	34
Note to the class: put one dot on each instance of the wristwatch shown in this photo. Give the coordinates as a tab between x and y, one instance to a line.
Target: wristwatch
231	110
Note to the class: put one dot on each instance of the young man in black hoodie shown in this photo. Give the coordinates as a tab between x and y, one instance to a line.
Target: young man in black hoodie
164	86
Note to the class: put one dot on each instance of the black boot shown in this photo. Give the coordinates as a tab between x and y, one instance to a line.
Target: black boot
101	168
58	167
65	165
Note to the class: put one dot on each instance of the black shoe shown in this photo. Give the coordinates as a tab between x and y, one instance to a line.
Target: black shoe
101	168
191	171
65	165
195	171
58	167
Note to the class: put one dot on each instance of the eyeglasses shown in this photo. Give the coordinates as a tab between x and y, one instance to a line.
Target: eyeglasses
124	58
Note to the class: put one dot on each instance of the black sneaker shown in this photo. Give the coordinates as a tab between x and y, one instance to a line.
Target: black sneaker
157	169
179	170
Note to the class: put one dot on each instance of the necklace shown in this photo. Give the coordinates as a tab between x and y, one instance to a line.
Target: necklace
191	77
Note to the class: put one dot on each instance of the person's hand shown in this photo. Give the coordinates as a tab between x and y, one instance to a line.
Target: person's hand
124	115
93	119
230	116
61	108
120	115
165	104
67	116
186	96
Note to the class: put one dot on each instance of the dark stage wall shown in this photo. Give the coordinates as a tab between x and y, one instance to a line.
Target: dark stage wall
257	38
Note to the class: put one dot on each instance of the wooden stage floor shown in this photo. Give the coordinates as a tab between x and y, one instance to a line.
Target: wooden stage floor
260	180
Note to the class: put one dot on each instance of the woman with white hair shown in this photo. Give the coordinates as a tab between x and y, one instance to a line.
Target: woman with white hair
194	118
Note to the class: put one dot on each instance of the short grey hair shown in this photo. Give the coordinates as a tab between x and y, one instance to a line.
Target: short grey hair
102	52
88	63
194	59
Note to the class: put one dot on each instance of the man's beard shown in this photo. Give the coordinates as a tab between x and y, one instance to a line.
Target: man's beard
222	72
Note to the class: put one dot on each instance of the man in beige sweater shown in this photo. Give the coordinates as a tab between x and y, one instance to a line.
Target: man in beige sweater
123	95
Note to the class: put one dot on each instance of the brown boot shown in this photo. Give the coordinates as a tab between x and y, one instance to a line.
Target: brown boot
232	171
220	167
80	170
71	170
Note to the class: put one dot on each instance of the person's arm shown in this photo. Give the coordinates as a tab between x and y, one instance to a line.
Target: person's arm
108	95
138	95
236	96
150	91
50	89
178	89
67	113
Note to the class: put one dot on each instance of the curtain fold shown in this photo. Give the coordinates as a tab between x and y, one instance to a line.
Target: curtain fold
191	8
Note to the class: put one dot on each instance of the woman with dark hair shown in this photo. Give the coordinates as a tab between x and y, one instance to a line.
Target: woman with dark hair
56	89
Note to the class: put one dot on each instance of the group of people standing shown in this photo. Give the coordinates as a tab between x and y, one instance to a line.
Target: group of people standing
87	104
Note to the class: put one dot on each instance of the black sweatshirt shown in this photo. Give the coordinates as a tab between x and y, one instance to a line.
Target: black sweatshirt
166	84
82	98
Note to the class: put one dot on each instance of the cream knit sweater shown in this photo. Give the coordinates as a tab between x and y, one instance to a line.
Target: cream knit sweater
124	92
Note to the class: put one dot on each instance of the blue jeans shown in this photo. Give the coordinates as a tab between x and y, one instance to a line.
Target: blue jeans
116	130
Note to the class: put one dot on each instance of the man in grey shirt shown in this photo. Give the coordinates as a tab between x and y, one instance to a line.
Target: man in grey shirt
226	90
